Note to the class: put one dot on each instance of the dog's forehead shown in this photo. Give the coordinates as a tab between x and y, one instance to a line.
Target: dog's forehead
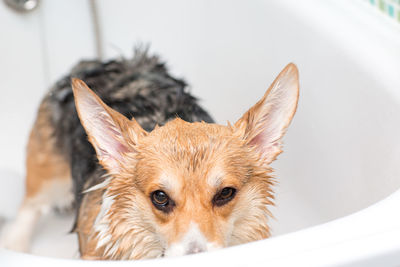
192	153
178	180
188	143
180	130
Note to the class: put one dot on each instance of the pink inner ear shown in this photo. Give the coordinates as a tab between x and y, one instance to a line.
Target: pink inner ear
109	147
268	148
121	148
258	140
110	140
105	134
114	153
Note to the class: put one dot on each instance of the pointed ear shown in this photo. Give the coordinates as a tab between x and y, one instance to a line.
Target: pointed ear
264	125
111	134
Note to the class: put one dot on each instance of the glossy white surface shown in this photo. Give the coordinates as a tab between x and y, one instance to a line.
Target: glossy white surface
341	152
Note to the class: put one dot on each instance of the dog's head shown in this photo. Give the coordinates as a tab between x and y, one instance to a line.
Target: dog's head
186	187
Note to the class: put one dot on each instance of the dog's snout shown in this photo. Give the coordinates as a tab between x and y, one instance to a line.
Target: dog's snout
195	247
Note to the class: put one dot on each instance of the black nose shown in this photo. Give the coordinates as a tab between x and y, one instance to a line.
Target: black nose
195	248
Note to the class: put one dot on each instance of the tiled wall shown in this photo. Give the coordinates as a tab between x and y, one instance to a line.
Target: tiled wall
390	8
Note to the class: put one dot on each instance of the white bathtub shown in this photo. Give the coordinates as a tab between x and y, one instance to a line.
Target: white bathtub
338	196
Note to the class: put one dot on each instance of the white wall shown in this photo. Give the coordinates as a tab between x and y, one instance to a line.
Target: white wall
36	49
21	76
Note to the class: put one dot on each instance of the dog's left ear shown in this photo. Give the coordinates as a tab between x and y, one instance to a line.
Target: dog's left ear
111	134
264	125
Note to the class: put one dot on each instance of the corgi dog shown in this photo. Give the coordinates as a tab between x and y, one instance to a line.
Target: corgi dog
151	174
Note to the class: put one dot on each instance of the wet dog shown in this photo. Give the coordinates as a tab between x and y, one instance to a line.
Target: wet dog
157	177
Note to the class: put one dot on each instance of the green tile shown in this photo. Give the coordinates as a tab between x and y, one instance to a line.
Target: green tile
381	5
390	10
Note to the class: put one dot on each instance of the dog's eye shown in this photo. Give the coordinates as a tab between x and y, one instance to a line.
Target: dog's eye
160	198
224	196
161	201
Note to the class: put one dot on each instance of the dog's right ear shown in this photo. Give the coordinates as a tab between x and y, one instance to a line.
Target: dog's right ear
111	134
264	125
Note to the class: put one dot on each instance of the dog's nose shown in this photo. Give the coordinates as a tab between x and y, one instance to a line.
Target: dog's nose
195	247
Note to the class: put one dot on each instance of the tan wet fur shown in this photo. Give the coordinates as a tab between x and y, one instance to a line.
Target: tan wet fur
43	160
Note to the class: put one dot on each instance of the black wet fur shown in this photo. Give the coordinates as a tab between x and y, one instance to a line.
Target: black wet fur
140	87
